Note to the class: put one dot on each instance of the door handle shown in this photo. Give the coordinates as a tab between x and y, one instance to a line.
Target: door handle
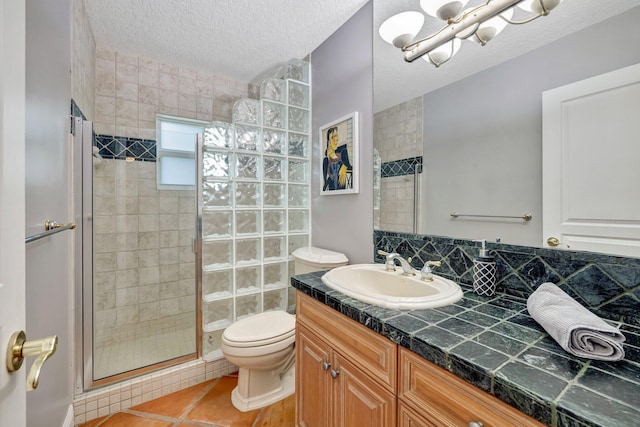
552	241
19	348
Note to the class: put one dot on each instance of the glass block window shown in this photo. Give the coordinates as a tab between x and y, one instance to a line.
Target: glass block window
255	203
176	145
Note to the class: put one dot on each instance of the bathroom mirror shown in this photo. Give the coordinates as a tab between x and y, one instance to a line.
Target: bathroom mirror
476	121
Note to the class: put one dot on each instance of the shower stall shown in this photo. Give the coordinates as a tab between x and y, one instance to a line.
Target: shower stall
139	293
165	270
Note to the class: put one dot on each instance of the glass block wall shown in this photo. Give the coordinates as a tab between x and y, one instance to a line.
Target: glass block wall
255	202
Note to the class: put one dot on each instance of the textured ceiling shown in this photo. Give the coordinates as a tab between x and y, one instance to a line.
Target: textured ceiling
396	81
247	39
241	39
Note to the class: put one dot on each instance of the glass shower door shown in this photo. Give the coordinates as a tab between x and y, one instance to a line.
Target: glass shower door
143	292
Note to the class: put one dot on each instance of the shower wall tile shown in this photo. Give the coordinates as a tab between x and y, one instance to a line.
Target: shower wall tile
130	91
398	143
144	268
83	52
398	131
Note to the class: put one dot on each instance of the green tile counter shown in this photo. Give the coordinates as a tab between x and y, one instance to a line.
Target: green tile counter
493	343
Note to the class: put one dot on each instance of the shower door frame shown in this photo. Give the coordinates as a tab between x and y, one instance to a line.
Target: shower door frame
83	293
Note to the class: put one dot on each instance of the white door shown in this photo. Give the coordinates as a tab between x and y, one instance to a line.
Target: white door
12	204
591	153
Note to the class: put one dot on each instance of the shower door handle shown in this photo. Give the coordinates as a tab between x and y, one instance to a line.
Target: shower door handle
19	348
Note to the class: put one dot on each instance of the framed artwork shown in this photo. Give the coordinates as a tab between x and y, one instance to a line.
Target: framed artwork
339	156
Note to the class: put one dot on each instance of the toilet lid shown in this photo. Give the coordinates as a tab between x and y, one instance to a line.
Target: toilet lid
261	329
319	255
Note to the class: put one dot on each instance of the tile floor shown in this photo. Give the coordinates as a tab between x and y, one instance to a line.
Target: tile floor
204	405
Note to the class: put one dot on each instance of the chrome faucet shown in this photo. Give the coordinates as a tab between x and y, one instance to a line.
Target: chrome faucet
426	273
390	264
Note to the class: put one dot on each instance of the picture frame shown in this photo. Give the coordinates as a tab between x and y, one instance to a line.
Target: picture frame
339	156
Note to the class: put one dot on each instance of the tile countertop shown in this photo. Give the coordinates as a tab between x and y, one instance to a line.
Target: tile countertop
493	343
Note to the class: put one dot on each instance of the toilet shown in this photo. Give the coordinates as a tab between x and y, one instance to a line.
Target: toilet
262	345
309	259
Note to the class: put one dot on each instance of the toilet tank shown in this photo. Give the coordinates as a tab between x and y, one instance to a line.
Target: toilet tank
309	258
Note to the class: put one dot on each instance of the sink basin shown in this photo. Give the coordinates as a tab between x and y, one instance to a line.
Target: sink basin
371	283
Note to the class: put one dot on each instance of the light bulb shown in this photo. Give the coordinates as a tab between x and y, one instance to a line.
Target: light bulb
491	27
539	6
400	29
443	53
443	9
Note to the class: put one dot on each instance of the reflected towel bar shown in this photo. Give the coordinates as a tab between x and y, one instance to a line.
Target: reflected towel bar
51	227
525	217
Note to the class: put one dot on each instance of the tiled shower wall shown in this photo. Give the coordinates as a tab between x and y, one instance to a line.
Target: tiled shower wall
83	53
397	135
607	285
144	268
130	91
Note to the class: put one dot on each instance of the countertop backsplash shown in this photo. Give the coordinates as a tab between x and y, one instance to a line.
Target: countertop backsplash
607	285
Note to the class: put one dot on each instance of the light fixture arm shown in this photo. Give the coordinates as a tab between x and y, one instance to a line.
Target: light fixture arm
473	17
545	12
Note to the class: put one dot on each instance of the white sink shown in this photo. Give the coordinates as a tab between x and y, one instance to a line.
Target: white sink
371	283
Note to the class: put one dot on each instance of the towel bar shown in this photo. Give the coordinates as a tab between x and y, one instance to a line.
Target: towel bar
51	227
526	217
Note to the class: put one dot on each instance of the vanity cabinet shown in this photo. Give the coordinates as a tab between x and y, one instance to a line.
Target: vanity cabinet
345	373
348	375
431	396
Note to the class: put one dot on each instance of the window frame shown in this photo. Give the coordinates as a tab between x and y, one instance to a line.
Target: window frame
163	152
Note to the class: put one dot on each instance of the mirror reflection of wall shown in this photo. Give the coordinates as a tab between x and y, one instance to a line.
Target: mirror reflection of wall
482	135
397	137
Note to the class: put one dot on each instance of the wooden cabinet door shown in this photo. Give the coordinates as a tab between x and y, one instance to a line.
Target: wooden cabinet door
313	391
359	401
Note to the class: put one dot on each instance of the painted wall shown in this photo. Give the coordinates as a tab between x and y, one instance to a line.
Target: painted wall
343	83
49	265
492	163
12	202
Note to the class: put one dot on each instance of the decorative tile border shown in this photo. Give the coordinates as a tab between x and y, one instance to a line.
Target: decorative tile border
121	147
401	167
608	285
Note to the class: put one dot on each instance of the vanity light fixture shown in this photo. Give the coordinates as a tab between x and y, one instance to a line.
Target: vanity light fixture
480	24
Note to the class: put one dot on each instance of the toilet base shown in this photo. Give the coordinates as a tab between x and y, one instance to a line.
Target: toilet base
287	388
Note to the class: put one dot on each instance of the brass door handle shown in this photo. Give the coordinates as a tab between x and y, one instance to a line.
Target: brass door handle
552	241
19	348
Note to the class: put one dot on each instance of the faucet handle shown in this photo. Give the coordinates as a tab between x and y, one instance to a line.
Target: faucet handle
426	273
389	264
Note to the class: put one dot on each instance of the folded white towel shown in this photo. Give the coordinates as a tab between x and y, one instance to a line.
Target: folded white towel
575	328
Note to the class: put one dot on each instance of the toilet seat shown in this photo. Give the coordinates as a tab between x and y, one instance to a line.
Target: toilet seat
259	330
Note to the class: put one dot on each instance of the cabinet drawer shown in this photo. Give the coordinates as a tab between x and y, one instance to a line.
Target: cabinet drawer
446	400
372	353
407	417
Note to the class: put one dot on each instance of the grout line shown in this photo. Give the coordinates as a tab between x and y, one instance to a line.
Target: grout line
199	398
150	415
